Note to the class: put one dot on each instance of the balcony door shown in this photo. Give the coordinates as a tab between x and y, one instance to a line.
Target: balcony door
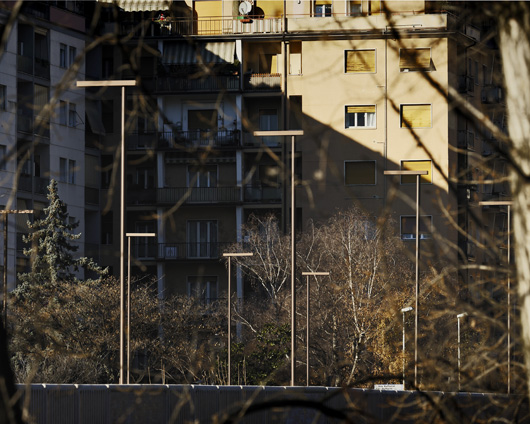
202	239
145	246
201	123
268	121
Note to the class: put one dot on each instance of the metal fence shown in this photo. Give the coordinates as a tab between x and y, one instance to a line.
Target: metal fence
129	404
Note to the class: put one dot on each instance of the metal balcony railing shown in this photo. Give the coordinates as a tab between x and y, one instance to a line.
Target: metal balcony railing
141	196
185	83
198	250
198	195
198	138
262	193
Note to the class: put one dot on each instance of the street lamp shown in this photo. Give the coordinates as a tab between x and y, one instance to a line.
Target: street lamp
229	256
307	323
292	133
403	311
416	310
122	84
462	315
508	204
128	331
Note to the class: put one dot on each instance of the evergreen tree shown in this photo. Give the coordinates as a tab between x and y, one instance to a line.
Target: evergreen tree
52	249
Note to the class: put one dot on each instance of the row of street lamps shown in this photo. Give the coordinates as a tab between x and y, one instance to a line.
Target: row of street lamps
124	367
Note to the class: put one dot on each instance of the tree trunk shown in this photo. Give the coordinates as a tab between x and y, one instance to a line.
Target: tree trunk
514	31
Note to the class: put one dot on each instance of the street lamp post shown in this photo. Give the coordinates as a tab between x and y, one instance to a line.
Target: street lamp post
462	315
128	330
292	133
308	274
403	311
418	174
6	212
122	84
508	204
229	256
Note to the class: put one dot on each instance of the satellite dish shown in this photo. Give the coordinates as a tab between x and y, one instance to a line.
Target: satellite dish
245	7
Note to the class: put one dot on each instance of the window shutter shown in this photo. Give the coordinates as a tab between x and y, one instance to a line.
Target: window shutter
360	109
415	58
416	165
360	61
416	116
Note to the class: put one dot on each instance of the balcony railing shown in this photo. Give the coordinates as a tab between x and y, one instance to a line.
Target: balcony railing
143	250
38	67
198	195
263	82
185	83
262	193
198	138
142	141
204	26
199	250
32	184
27	124
136	196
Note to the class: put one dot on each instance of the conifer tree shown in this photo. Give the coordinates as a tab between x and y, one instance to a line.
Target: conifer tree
52	246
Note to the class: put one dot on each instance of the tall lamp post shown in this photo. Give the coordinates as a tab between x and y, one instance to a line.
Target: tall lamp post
458	317
229	256
404	311
122	84
508	204
128	331
418	174
6	212
308	274
292	133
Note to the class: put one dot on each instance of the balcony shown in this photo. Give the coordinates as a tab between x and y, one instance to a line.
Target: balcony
198	138
38	67
176	84
198	195
91	196
199	250
36	185
260	193
262	82
466	84
178	27
27	124
141	141
136	196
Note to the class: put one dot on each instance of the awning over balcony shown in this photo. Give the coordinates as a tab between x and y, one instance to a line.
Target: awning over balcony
141	5
189	54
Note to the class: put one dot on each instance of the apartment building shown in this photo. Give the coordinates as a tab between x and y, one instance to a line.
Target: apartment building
41	118
366	81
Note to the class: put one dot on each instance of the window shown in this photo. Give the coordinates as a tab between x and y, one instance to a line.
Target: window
268	121
356	7
359	172
416	116
360	116
3	101
62	55
145	247
145	178
322	8
67	170
107	228
484	75
62	112
3	157
408	227
416	165
205	176
73	54
359	61
414	59
202	239
203	288
72	115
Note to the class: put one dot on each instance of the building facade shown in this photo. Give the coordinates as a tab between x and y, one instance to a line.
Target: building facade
368	82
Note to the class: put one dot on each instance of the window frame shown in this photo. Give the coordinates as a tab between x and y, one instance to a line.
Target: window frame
209	282
3	97
360	72
72	53
3	157
428	234
211	243
402	105
357	127
72	115
63	113
422	177
361	184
